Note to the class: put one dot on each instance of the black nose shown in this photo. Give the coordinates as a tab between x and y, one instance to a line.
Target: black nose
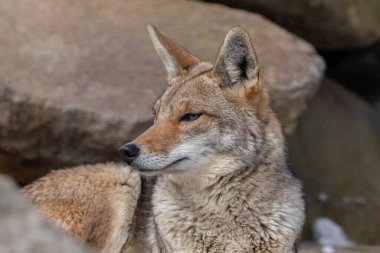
129	152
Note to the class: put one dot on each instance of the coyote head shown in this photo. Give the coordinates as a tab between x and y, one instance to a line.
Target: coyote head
212	118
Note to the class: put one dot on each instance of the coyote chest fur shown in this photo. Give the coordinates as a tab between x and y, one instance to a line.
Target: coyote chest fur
216	155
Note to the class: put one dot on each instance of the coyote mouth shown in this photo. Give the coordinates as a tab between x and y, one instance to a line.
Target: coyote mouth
167	167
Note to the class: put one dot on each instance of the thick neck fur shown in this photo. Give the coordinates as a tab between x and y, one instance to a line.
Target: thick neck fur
255	207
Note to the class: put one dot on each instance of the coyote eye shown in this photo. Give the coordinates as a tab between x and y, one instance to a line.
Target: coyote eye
190	116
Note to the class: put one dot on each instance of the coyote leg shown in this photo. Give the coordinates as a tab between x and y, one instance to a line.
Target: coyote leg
93	203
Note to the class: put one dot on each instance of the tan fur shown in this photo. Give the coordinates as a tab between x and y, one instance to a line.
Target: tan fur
93	203
167	134
166	49
216	183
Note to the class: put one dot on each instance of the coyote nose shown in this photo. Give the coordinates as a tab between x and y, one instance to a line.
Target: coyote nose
129	152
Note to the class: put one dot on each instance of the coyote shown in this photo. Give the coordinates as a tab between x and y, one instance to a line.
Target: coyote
213	167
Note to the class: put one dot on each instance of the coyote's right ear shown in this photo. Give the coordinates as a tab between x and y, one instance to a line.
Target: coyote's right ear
237	64
176	58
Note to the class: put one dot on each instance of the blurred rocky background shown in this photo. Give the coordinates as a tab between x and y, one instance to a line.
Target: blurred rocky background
23	230
78	78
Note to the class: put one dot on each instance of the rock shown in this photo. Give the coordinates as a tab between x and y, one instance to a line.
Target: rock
78	78
335	150
21	170
327	24
23	230
377	107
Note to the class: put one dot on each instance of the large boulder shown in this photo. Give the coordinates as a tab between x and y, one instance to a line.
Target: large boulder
23	230
78	78
335	150
328	24
24	171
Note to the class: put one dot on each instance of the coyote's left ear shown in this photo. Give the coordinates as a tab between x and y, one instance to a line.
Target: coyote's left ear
237	61
176	59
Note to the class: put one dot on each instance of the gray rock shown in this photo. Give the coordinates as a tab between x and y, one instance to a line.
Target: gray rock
78	78
23	230
335	150
327	24
22	171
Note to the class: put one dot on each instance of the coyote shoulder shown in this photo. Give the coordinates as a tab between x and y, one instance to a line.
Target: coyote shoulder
213	164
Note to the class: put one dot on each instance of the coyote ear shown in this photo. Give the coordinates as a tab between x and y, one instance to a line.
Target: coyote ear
237	61
176	58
